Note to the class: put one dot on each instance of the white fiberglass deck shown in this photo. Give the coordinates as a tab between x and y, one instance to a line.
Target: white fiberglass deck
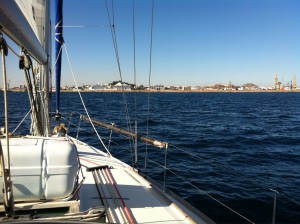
134	195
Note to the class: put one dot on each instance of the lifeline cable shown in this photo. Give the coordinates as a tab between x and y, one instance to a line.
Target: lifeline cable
255	182
21	121
203	192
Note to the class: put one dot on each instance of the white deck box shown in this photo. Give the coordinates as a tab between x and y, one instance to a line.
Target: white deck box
41	168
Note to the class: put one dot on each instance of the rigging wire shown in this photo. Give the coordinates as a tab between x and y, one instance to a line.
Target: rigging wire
38	96
4	53
8	200
53	67
114	39
113	12
21	121
26	58
203	192
134	74
192	155
12	50
149	84
87	113
83	26
25	63
18	56
68	120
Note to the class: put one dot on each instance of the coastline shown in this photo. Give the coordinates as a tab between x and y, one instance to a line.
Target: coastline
168	91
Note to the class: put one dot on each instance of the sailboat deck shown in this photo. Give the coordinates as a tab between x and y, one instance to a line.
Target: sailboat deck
127	194
109	185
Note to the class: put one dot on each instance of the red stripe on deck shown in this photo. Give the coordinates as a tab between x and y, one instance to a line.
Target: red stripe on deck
89	161
128	214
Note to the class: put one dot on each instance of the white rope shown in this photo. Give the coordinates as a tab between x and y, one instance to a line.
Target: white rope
76	85
53	67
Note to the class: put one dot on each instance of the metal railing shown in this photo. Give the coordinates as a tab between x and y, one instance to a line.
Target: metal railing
166	170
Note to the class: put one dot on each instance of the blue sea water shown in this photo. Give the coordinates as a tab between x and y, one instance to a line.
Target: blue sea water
234	147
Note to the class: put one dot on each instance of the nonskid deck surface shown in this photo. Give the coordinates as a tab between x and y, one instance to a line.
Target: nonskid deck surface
129	196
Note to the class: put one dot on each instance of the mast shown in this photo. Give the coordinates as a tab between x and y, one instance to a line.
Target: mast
58	47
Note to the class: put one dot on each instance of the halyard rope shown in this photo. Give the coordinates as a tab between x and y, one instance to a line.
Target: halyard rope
86	111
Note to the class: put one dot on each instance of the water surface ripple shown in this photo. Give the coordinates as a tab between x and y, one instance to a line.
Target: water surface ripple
244	144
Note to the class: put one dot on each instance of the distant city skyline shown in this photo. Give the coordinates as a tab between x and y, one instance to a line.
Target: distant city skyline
124	87
229	83
195	43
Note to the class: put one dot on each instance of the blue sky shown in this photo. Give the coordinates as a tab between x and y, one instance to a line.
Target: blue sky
195	42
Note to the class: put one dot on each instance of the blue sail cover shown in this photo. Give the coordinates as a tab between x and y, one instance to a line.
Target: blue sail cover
58	44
